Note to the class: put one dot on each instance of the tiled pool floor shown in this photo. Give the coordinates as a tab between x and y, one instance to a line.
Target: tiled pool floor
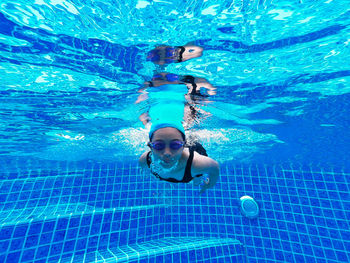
116	213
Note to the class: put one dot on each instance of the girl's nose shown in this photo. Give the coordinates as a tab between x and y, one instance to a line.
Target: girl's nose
167	151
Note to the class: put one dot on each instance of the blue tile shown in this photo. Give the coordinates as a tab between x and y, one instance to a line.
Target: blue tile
299	258
274	233
341	256
342	224
323	231
316	241
92	242
20	231
4	245
107	218
103	243
84	231
313	230
125	224
192	256
31	241
283	190
184	257
279	255
160	258
267	242
86	220
97	219
46	238
28	255
12	197
284	235
286	246
59	235
69	246
16	244
72	233
318	251
21	205
5	233
56	249
269	253
309	219
296	248
168	258
326	242
342	187
83	198
106	227
114	237
95	228
13	257
310	259
42	252
329	253
251	251
175	227
81	244
347	245
301	228
258	242
304	239
35	228
62	223
276	244
3	198
206	253
296	208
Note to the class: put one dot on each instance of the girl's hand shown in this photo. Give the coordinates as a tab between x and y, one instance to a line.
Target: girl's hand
205	185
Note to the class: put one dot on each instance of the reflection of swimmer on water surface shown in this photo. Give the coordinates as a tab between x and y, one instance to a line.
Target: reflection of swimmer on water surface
194	84
172	159
173	54
171	82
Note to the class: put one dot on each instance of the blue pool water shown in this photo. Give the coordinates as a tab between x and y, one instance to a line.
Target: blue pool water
71	74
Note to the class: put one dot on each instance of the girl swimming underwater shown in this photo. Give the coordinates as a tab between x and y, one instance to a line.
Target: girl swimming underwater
170	159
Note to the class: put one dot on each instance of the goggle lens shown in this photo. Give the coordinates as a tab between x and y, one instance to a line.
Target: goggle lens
176	145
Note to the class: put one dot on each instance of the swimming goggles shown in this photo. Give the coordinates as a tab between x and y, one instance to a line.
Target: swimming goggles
160	145
169	77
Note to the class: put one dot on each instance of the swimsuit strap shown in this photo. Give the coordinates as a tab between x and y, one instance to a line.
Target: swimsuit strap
148	159
182	50
187	176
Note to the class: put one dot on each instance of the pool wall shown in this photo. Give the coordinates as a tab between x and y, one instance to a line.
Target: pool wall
70	211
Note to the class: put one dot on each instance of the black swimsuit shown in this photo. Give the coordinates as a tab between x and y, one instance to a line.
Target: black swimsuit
187	176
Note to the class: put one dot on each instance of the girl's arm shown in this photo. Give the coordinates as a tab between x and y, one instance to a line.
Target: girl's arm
205	165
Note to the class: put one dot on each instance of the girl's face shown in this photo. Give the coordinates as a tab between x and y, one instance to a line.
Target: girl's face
167	156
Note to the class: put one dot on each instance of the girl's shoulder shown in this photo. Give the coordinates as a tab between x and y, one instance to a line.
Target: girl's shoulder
202	163
143	160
